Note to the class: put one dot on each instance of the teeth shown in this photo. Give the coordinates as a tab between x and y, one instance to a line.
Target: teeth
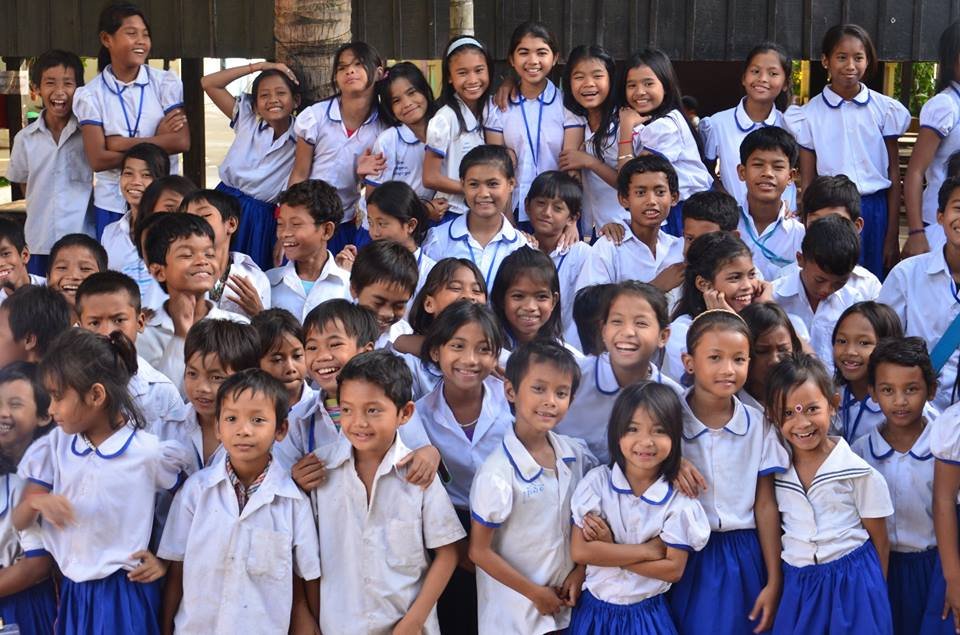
6	426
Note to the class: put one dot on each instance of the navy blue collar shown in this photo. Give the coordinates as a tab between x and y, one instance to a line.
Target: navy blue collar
657	494
546	98
108	449
834	100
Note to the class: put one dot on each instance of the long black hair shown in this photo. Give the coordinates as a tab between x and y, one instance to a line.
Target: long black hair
611	114
448	96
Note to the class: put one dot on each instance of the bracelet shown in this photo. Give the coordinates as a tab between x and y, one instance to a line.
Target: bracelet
624	157
914	232
630	141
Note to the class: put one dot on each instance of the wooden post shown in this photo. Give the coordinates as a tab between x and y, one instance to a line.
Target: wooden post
195	159
461	17
307	32
14	118
906	83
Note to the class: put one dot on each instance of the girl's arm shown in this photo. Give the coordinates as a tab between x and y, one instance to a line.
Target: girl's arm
946	484
492	137
808	168
877	528
302	163
172	594
668	569
24	573
767	516
433	177
891	246
95	147
215	84
37	501
923	151
611	554
444	562
172	135
302	620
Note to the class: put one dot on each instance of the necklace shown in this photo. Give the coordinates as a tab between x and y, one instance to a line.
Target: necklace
469	425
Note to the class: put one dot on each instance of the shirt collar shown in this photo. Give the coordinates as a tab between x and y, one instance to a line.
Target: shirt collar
842	463
470	123
114	445
834	100
657	494
937	262
546	98
880	449
738	425
341	452
333	112
523	462
458	230
746	124
606	381
116	86
407	135
41	126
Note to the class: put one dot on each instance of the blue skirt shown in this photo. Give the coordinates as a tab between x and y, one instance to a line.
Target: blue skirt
108	606
932	624
596	617
873	211
720	585
908	582
102	218
257	233
38	264
33	610
844	597
674	222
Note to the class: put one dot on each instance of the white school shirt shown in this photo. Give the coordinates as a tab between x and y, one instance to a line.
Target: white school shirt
909	477
447	140
374	552
941	114
388	337
533	129
15	545
848	135
777	247
454	240
156	395
424	266
426	375
433	424
823	523
660	511
569	263
403	156
127	110
589	413
334	153
630	260
672	365
731	459
34	280
945	437
600	203
861	282
309	427
122	256
238	565
257	164
244	266
529	506
187	432
111	490
922	293
669	136
286	287
59	181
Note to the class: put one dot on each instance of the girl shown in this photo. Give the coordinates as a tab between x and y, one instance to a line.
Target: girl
652	121
526	298
98	535
848	125
333	133
903	380
633	530
127	103
733	585
164	195
833	506
766	82
457	128
73	259
27	594
260	158
772	337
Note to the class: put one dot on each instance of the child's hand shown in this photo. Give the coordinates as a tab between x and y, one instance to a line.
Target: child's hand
506	92
173	121
571	159
247	296
891	250
547	600
150	570
658	548
309	472
346	257
410	343
951	603
614	232
670	278
762	291
422	466
369	163
569	238
437	208
407	626
765	608
54	509
689	480
916	244
278	66
182	309
572	585
534	243
596	529
715	300
630	118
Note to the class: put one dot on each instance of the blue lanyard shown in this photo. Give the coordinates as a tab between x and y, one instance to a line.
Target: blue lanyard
560	264
311	444
762	244
534	149
848	401
135	130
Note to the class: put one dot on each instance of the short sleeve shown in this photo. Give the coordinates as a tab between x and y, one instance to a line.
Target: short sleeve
493	119
573	120
895	118
708	133
171	91
291	448
586	498
86	104
31	541
945	436
440	523
37	465
306	125
174	461
893	291
585	457
662	137
306	545
773	456
440	133
18	170
795	121
940	114
243	115
598	266
491	496
872	496
173	543
413	433
685	526
383	146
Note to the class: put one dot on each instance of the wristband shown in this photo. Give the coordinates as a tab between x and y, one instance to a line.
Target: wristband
630	141
914	232
623	157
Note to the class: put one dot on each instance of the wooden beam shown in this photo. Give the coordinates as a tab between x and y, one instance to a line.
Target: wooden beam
14	118
194	160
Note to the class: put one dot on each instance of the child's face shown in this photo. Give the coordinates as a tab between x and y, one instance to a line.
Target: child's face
11	350
463	285
645	444
134	179
190	266
527	305
300	237
18	415
847	63
631	332
104	313
901	392
469	75
487	190
72	266
69	409
388	301
542	398
369	418
766	175
818	283
248	426
130	44
768	349
201	380
328	349
13	265
649	199
286	363
386	227
275	102
350	74
644	89
852	346
948	217
590	83
168	201
806	417
222	230
467	358
407	104
532	59
550	217
719	362
764	78
736	280
694	228
57	85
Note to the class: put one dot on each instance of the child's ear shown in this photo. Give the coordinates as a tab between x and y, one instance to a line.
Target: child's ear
703	285
800	259
366	348
30	344
858	224
25	255
96	396
509	391
687	360
411	226
141	321
327	229
674	198
835	401
158	271
406	412
435	355
624	203
231	226
282	428
742	172
825	61
664	336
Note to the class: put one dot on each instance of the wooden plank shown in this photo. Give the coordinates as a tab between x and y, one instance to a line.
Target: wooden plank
194	161
14	115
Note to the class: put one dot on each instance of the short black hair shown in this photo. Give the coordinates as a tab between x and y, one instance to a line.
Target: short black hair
78	240
108	281
400	201
487	154
39	311
27	371
713	206
169	228
791	371
236	345
173	183
228	206
52	59
770	138
438	279
830	191
542	352
943	195
663	405
642	164
11	230
156	158
903	351
656	298
358	322
380	368
271	325
385	261
318	197
258	382
452	318
833	244
557	184
589	307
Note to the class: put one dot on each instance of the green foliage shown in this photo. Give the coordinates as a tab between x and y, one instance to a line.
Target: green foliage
924	84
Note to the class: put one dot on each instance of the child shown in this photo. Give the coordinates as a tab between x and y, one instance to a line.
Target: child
652	122
483	234
30	320
851	129
383	280
457	128
333	133
73	258
708	212
48	157
768	159
281	353
260	158
127	103
647	188
833	506
526	299
238	273
112	583
902	380
733	585
772	338
164	195
367	495
520	501
633	530
309	214
271	531
588	308
14	259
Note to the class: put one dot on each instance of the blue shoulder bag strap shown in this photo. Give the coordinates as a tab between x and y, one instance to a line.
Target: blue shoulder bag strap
947	344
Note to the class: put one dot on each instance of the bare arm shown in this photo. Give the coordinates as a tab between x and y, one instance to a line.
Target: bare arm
95	147
433	177
923	152
946	484
891	249
302	163
877	528
492	137
24	573
25	513
173	136
768	531
668	569
172	595
808	168
609	554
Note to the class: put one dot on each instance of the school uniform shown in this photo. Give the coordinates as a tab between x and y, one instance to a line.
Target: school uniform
122	256
615	600
156	395
111	489
309	427
187	432
244	266
288	291
450	141
569	263
454	240
425	375
940	114
832	581
630	260
601	206
672	365
857	418
403	160
424	267
34	280
374	552
130	110
776	248
388	337
861	281
848	137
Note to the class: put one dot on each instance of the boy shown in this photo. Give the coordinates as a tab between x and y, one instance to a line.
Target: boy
768	159
707	212
73	258
647	187
240	535
241	287
30	320
281	352
378	585
310	211
180	256
14	258
48	156
383	279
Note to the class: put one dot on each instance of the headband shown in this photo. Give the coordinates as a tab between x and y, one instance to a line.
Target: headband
463	41
725	311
